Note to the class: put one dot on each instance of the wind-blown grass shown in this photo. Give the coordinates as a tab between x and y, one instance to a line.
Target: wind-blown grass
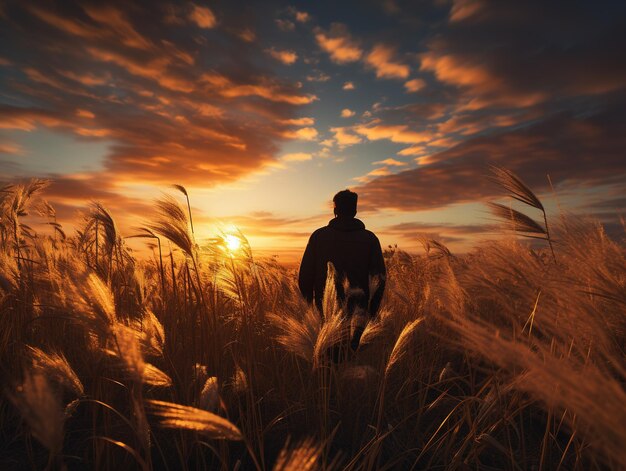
203	358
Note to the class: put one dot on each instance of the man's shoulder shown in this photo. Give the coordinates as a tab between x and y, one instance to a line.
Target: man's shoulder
371	235
319	231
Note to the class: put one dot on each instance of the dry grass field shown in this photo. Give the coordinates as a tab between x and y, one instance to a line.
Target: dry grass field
203	357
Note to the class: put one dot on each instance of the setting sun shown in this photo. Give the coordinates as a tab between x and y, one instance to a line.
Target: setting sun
233	243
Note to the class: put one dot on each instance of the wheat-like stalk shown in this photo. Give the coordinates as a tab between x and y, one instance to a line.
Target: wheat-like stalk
183	190
401	347
209	395
56	367
515	220
171	223
518	190
298	336
41	408
213	426
303	456
515	186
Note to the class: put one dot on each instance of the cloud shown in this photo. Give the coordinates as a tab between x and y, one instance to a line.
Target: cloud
575	151
297	157
348	86
465	9
10	148
381	59
302	16
379	172
318	76
390	162
413	150
85	114
303	134
285	56
347	113
202	16
414	85
443	142
305	121
344	137
268	224
443	231
285	25
574	52
395	133
265	89
338	43
116	21
247	35
166	103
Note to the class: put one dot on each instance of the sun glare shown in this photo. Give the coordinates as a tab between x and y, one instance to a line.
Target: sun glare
233	243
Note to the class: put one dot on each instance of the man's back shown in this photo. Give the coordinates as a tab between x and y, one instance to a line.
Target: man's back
356	255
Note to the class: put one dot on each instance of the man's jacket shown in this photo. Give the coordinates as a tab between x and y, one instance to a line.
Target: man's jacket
356	255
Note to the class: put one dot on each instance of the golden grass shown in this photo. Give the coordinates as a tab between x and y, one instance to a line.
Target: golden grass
205	358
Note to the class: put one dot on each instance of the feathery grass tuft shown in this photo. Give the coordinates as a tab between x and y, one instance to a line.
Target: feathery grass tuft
190	418
515	186
515	220
171	223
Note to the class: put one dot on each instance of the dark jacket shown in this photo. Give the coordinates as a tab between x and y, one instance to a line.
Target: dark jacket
356	255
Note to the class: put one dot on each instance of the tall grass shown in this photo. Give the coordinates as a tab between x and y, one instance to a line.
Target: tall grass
202	357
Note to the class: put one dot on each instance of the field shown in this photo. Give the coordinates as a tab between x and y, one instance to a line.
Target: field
203	357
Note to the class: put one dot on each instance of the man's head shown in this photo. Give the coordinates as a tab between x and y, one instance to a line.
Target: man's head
345	203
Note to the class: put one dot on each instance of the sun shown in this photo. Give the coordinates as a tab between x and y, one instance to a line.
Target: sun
233	243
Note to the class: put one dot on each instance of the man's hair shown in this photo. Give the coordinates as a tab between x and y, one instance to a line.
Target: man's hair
345	203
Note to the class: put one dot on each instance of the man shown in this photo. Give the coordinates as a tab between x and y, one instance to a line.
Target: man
357	257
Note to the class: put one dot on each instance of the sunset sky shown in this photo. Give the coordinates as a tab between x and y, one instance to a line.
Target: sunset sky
263	110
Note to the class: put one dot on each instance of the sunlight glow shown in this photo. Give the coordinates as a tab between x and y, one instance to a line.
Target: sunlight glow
233	243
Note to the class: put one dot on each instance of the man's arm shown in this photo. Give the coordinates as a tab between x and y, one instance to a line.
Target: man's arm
379	272
306	277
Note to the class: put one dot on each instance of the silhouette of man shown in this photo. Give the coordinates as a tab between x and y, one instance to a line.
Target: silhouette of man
357	257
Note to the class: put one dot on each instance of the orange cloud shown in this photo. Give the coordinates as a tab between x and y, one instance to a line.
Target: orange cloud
318	77
414	85
347	113
487	88
306	121
390	162
339	44
379	172
144	91
85	114
116	22
285	56
348	86
155	69
302	16
464	9
72	26
573	150
303	134
203	17
86	78
10	148
413	150
269	91
395	133
344	137
381	59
